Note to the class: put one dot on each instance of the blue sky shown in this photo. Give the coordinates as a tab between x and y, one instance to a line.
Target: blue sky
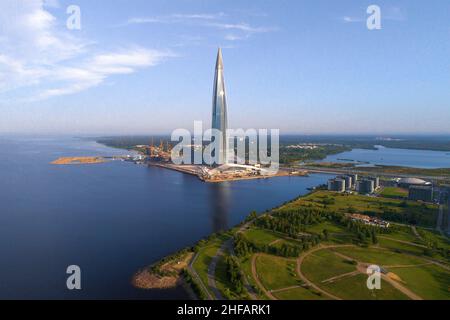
146	66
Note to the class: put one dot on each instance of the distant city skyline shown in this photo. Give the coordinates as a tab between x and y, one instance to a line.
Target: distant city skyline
145	67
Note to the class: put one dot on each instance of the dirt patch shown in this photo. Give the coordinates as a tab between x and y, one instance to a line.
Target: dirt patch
167	276
395	277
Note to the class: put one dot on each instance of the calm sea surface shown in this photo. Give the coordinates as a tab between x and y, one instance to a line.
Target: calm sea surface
110	219
395	157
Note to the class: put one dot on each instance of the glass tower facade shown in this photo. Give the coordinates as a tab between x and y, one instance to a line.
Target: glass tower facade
219	109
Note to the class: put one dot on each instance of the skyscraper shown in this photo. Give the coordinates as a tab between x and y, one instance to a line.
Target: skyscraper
219	109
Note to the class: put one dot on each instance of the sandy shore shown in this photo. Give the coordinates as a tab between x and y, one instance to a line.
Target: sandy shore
169	275
78	160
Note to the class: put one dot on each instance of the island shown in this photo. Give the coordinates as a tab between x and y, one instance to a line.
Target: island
78	160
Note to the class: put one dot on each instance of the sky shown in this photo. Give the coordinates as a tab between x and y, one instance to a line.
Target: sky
301	66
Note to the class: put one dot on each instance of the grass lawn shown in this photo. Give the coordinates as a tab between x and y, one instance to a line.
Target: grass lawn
289	242
404	234
246	267
426	213
204	258
430	282
379	256
326	225
355	288
299	293
394	245
275	272
393	192
260	236
324	264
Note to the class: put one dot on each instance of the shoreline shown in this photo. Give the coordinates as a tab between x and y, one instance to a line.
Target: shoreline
78	160
151	279
165	273
195	171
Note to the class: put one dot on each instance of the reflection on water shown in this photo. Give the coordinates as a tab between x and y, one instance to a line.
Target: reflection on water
220	204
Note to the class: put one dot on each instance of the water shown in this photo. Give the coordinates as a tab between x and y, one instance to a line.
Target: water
395	157
110	219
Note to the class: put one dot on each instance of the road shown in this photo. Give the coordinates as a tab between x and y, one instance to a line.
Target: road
212	269
226	246
362	172
197	277
404	242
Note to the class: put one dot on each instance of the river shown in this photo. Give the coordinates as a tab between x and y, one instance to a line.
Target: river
424	159
110	219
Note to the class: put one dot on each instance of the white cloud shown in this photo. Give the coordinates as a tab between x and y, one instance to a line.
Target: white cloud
242	27
94	71
44	58
205	20
351	19
175	18
233	37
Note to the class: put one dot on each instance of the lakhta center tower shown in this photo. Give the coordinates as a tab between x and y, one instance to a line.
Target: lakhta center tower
219	110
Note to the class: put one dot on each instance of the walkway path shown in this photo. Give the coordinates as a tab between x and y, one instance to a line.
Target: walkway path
345	275
414	230
197	277
404	242
258	282
361	268
212	270
285	289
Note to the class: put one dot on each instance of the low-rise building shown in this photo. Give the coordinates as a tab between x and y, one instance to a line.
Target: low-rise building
348	182
421	193
376	182
354	179
408	182
365	186
371	221
337	185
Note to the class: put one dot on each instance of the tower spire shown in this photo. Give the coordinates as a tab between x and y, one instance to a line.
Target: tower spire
219	62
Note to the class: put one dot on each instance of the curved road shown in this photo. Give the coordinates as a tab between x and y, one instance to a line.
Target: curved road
226	246
197	277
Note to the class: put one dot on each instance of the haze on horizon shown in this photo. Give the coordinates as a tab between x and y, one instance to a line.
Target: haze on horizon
147	67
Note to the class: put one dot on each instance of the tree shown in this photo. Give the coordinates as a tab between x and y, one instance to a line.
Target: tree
326	234
374	237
